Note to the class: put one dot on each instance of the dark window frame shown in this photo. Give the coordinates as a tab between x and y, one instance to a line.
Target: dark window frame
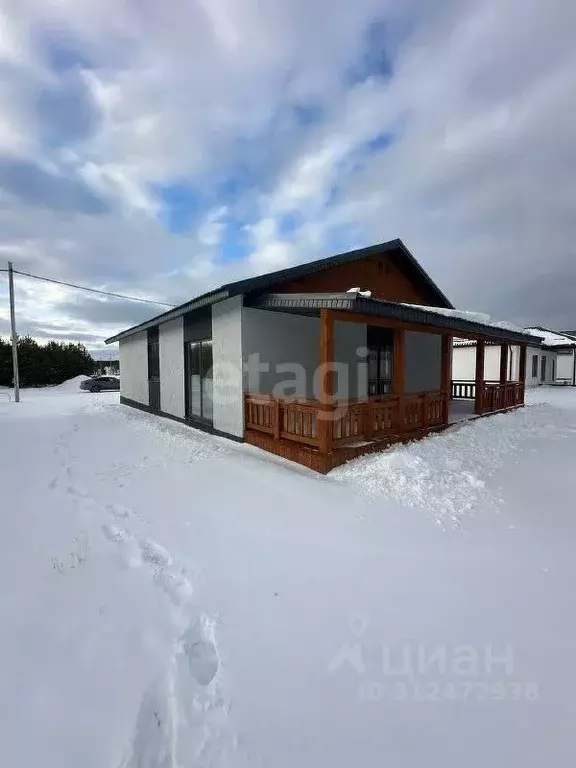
153	361
380	343
534	366
205	415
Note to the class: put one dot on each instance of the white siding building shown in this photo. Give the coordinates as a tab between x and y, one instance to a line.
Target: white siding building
552	363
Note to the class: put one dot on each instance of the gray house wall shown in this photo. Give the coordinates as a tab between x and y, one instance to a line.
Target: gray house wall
287	348
422	362
228	398
172	367
133	353
350	349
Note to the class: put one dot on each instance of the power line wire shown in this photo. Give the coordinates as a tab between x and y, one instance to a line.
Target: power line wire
91	290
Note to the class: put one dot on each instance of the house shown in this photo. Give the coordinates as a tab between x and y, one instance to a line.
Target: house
554	362
563	347
318	363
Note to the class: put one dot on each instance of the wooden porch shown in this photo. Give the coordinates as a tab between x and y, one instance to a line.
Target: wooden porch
325	432
299	429
493	396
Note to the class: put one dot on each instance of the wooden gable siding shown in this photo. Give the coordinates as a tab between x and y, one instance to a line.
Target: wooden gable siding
378	274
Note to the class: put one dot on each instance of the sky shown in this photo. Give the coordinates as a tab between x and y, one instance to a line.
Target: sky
162	149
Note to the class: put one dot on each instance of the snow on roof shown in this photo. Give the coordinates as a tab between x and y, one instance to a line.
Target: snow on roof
468	342
548	338
551	338
472	317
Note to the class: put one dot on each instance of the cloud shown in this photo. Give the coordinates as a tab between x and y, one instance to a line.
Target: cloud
163	153
102	312
33	186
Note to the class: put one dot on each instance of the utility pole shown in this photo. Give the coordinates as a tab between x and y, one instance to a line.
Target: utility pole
14	337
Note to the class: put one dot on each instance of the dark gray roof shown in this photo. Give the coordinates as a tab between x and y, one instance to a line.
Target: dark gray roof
312	303
264	282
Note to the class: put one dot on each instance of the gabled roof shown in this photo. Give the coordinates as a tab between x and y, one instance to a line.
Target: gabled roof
264	282
552	339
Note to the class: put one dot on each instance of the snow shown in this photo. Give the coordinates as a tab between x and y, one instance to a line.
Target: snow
472	317
173	599
547	338
72	385
551	338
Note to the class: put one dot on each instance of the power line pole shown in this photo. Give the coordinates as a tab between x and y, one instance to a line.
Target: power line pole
14	337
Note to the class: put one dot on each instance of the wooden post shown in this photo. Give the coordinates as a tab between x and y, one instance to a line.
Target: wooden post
398	373
326	382
424	410
503	363
368	420
522	373
479	402
446	375
277	419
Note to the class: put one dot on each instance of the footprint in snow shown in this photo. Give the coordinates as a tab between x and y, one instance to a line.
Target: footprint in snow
198	652
183	717
173	581
118	511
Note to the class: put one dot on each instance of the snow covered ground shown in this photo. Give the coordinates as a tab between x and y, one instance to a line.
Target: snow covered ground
173	599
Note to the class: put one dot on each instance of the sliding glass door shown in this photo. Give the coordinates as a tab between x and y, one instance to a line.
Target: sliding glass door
199	380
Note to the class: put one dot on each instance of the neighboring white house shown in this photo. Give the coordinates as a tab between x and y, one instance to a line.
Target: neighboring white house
552	363
564	347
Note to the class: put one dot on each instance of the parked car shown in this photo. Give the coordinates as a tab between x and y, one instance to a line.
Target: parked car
101	383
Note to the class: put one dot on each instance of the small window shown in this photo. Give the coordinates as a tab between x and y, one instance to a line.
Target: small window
534	366
154	360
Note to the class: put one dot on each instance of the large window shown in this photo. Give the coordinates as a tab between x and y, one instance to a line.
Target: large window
199	379
534	366
380	347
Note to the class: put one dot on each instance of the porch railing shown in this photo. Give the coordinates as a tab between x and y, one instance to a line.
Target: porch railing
463	390
353	421
497	397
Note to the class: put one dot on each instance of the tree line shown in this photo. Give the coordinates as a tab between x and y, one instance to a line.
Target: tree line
44	364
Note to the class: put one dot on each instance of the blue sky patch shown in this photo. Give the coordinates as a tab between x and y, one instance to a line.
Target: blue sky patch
181	206
375	59
378	143
307	114
235	243
288	223
63	56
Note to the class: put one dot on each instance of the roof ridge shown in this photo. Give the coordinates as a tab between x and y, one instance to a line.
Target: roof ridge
267	280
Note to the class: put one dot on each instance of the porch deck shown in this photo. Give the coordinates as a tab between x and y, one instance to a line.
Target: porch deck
327	431
461	410
323	436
